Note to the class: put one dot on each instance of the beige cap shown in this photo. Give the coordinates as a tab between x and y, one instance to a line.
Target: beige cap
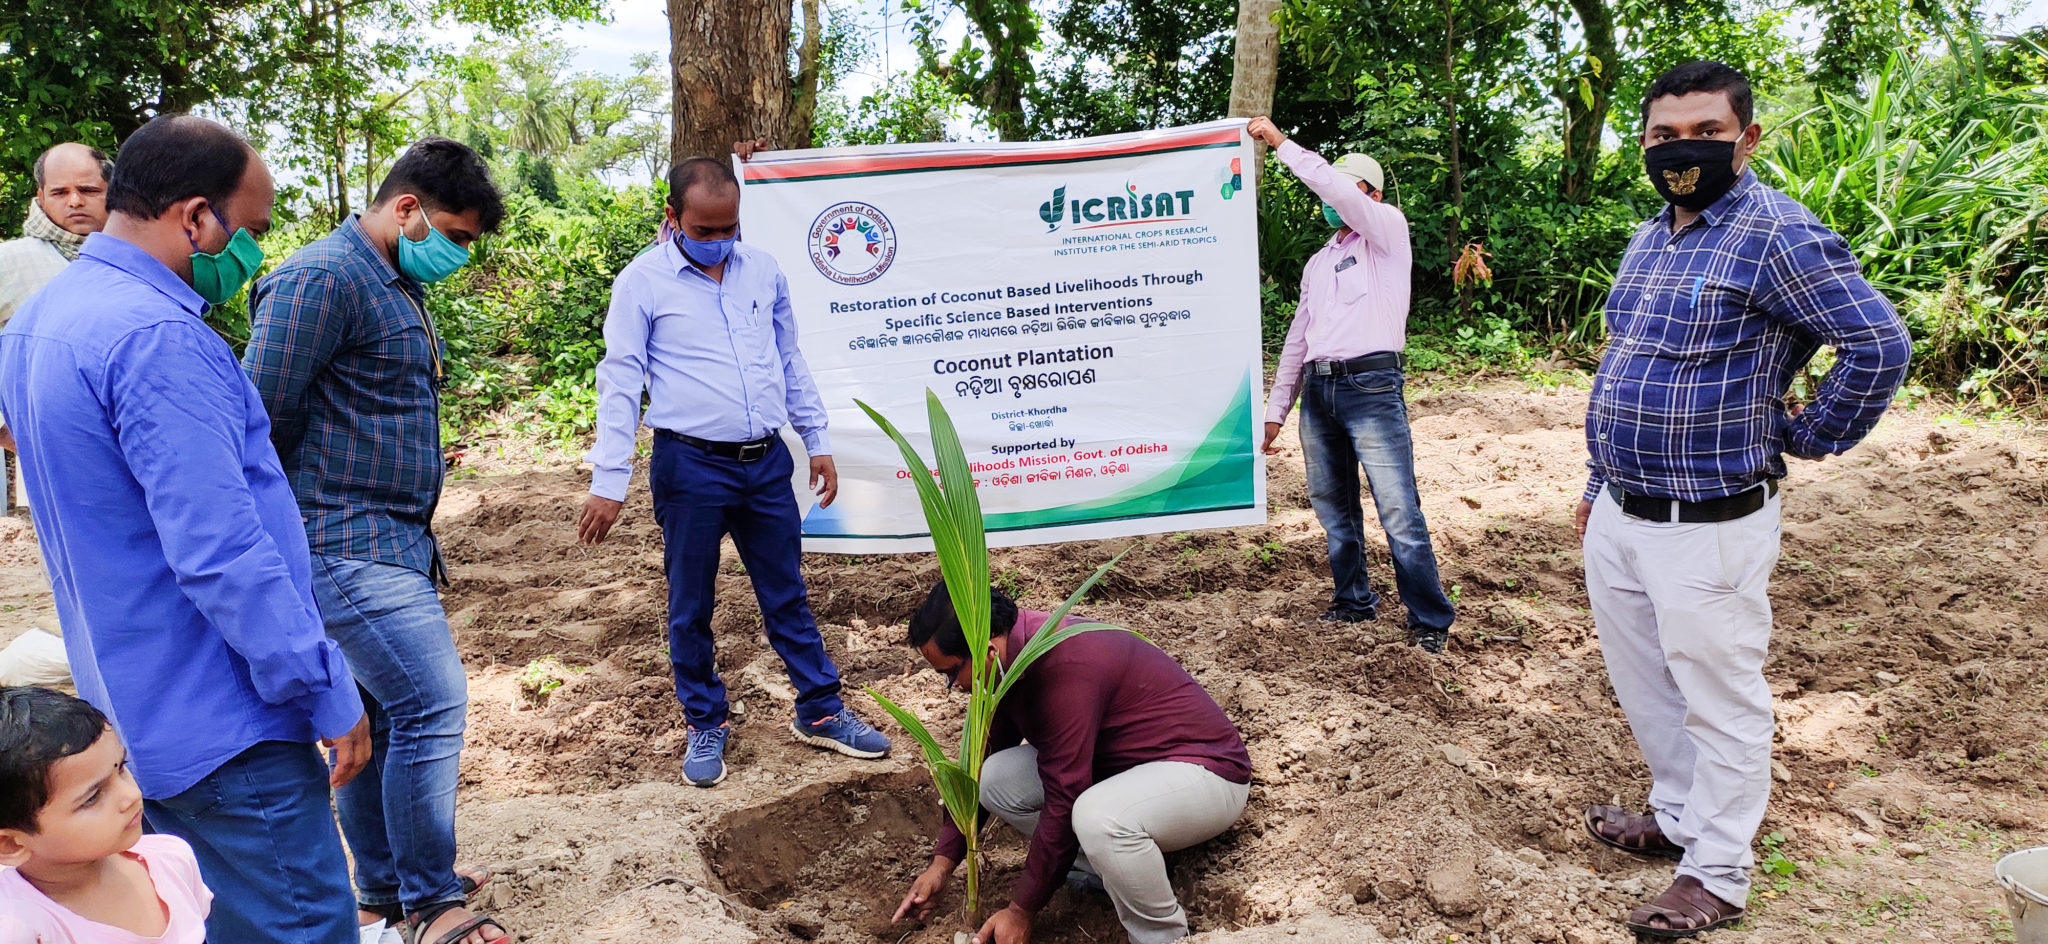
1361	167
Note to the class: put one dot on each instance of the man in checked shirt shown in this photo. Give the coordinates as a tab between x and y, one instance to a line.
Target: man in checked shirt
1720	300
349	364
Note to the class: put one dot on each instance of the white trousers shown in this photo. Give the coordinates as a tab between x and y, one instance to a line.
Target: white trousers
1126	824
1684	615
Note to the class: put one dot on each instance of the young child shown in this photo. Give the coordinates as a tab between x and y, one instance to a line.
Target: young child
78	869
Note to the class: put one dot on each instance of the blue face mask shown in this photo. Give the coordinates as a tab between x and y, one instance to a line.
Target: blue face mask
1330	216
705	252
431	259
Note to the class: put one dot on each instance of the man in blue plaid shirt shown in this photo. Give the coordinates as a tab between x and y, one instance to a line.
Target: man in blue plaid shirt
1721	299
350	368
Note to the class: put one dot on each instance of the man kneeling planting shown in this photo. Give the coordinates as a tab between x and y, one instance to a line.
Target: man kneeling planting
1107	754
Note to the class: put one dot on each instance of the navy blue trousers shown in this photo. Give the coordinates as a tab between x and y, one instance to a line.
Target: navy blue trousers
700	498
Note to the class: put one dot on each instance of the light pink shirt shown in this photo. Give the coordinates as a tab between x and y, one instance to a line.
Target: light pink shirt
1359	309
27	916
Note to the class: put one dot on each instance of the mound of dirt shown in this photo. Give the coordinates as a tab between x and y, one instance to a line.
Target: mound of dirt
1395	794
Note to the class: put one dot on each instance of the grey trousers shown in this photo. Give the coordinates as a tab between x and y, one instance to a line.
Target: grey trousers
1684	615
1125	824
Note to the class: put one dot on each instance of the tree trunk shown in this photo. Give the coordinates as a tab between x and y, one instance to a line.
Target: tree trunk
729	69
804	107
1455	234
1255	67
1586	97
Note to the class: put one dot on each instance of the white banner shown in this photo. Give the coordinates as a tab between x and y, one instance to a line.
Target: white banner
1087	310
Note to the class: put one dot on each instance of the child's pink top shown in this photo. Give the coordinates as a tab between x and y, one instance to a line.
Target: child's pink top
27	916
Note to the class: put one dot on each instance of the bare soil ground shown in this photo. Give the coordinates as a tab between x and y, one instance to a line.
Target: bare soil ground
1396	795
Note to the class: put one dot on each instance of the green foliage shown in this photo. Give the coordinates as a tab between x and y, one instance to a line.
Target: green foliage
916	107
1939	183
321	87
952	511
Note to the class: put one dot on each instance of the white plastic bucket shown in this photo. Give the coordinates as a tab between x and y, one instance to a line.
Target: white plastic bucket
2024	876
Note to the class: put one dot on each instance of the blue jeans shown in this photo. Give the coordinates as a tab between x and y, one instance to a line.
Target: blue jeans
261	829
399	813
1363	418
698	499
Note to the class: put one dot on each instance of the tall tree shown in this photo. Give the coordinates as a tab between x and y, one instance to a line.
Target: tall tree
810	54
729	61
1585	91
1255	65
994	78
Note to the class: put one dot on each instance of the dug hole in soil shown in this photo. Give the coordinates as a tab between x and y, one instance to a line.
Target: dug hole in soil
1396	795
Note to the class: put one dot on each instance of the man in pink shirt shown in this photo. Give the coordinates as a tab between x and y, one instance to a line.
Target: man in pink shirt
1343	358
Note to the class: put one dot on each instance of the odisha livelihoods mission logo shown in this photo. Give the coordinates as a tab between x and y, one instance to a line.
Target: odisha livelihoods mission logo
852	244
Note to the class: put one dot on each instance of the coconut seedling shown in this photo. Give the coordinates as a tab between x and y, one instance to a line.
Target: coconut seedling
952	512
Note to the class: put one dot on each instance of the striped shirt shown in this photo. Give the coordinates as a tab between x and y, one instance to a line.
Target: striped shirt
341	349
1706	328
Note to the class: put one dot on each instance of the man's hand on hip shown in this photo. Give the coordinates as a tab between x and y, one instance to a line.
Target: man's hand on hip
1263	129
1272	433
599	513
351	752
822	468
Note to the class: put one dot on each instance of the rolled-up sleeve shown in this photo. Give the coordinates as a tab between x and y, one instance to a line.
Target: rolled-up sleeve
175	425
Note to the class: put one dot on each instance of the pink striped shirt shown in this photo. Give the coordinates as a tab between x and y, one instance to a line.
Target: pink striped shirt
1354	293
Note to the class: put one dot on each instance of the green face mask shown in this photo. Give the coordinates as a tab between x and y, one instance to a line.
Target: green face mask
431	259
217	276
1330	216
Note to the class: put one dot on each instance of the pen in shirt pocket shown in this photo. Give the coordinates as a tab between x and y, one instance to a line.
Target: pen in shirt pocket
1697	285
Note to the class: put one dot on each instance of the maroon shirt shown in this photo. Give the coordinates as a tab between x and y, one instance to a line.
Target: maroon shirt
1095	706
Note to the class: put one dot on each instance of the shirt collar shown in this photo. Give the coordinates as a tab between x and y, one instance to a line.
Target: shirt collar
1725	207
683	267
359	240
128	257
1720	210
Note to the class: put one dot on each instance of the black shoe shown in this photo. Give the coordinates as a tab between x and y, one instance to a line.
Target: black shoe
1431	641
1350	614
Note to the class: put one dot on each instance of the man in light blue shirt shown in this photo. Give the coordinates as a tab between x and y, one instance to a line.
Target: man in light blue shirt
182	578
702	324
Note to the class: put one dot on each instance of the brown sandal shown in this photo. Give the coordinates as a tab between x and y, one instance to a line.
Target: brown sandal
1636	833
1686	909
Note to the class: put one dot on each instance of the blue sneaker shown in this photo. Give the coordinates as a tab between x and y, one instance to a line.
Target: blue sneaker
843	733
1082	880
704	762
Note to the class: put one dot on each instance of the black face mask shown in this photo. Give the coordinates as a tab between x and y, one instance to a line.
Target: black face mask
1691	173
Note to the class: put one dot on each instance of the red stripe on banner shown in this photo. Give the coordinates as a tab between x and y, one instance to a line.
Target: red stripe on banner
838	166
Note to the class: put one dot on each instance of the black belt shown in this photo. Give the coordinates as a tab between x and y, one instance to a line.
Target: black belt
743	451
1673	511
1356	365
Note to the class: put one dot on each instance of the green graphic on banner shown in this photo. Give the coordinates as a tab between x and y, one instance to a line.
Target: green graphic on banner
1218	476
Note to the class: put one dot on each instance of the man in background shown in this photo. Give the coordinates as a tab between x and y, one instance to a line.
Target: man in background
702	324
1343	359
349	365
70	204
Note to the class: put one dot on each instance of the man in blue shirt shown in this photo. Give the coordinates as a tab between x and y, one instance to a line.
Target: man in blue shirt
702	324
173	543
1719	302
349	365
